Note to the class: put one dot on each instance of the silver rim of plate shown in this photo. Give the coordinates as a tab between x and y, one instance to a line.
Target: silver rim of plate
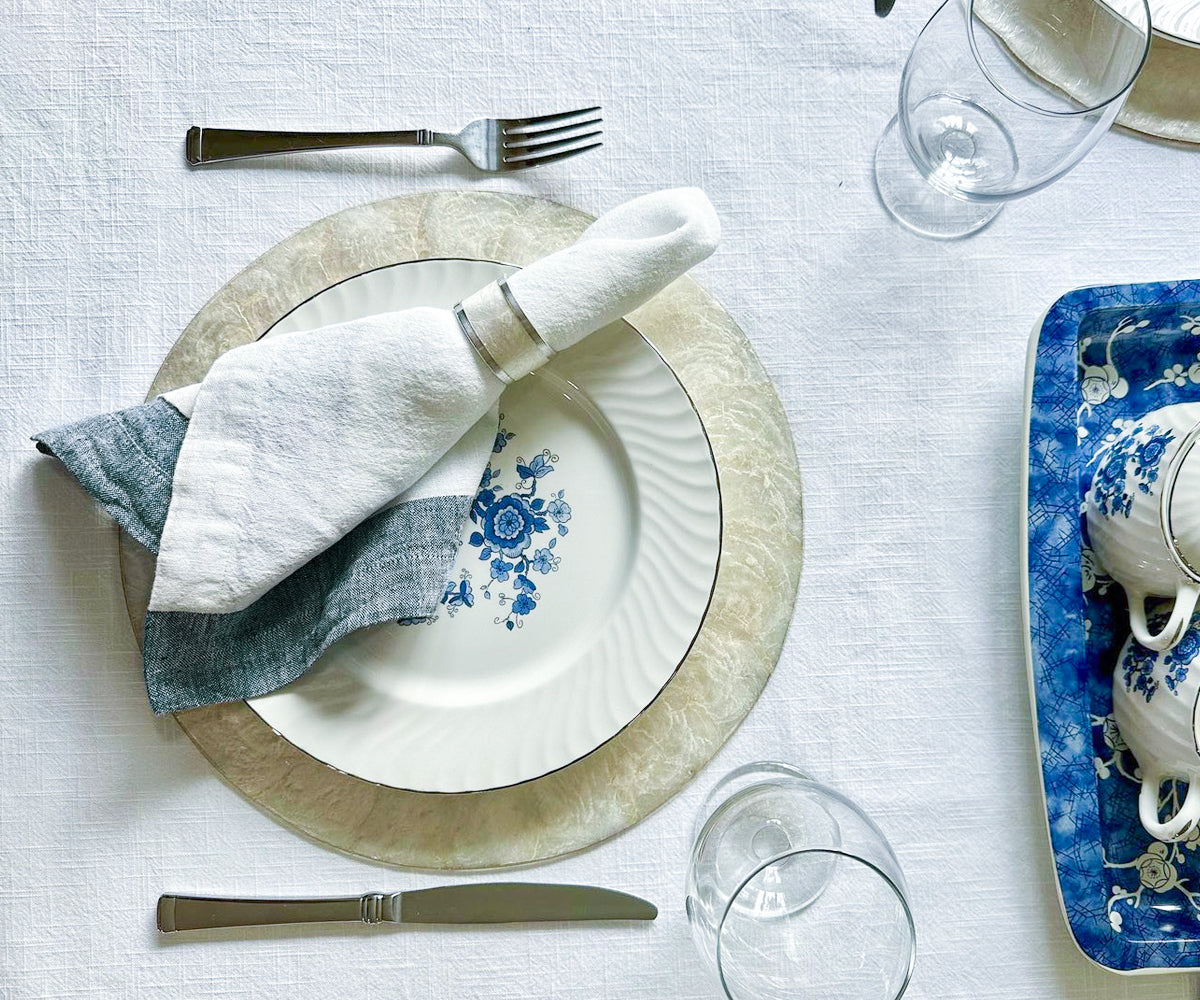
406	707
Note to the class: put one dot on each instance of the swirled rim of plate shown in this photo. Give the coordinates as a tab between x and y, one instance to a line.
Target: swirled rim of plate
700	612
1178	20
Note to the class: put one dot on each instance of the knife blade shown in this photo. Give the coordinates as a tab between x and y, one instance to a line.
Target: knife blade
485	903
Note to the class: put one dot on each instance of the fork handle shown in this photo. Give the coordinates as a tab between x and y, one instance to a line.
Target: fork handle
213	145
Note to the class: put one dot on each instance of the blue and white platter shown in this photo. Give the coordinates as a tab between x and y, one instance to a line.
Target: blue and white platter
1099	359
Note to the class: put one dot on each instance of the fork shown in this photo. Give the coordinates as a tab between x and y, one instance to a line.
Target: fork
492	144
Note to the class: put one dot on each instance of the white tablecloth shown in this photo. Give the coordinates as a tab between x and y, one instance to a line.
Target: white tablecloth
900	362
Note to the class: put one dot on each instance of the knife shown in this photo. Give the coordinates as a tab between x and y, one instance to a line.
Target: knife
883	7
487	903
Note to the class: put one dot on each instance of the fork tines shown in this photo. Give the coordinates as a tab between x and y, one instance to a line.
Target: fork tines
530	142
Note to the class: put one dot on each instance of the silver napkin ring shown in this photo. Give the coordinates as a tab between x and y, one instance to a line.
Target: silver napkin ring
546	350
468	330
497	328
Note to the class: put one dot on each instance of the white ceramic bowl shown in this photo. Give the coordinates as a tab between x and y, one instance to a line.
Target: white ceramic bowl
1155	696
1143	517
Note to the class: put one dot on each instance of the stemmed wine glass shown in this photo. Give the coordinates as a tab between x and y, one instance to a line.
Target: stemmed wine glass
1000	98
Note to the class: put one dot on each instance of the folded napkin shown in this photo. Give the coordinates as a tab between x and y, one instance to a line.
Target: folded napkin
315	483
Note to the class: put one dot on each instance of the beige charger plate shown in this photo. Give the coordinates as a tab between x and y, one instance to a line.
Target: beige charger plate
1165	100
650	760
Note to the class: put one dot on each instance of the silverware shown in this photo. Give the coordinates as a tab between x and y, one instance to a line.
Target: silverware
884	7
494	144
488	903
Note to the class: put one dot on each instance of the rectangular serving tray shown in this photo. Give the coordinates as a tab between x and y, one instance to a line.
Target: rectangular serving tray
1100	357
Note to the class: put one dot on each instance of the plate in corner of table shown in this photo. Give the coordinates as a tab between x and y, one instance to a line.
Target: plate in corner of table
1099	357
543	650
1178	20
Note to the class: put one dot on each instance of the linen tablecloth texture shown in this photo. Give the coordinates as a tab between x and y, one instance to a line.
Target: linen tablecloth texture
316	483
901	362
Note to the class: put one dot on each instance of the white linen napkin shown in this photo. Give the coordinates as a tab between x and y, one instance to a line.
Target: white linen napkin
296	439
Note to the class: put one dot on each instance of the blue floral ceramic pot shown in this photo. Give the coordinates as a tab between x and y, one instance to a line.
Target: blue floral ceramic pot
1143	516
1155	699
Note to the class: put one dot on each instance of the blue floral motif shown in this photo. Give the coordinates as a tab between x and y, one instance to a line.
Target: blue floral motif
559	511
1109	484
1137	670
507	524
538	466
457	596
1137	665
1143	447
1180	658
1149	453
544	561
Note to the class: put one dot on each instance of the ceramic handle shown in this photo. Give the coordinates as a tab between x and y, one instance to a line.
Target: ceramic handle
1178	825
1181	616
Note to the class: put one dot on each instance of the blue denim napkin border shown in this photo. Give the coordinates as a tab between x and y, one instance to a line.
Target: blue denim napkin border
392	567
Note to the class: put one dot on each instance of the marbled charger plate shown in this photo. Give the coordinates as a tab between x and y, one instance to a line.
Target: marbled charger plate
1100	358
730	660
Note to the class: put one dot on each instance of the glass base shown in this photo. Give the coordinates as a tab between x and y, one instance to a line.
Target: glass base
915	203
793	892
762	817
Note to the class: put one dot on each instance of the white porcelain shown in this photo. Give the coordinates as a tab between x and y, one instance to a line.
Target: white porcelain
1177	19
1143	516
1155	698
484	697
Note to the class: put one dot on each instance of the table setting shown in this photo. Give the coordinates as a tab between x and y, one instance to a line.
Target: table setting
717	521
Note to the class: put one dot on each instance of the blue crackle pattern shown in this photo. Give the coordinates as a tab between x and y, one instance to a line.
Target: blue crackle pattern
509	524
1104	357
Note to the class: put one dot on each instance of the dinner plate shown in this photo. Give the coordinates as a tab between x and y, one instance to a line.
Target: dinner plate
1178	20
584	574
1099	359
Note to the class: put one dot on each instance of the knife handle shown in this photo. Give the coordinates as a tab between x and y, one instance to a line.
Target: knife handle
190	913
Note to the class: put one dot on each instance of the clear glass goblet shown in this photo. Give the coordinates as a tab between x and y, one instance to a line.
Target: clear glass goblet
793	892
1000	98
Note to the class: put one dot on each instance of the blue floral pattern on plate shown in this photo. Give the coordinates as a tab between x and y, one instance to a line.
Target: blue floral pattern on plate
1104	357
507	528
